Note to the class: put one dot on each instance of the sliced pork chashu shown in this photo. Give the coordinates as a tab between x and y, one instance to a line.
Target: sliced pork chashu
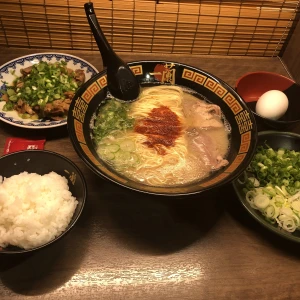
205	127
202	115
207	149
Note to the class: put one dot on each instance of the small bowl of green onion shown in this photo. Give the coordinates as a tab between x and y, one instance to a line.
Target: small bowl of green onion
269	189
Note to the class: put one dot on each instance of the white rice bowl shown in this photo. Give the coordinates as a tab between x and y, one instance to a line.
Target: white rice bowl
34	209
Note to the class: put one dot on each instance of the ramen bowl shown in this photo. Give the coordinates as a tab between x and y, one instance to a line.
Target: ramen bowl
202	85
252	85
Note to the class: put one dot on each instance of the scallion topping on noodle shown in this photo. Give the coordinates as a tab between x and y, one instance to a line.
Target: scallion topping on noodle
161	146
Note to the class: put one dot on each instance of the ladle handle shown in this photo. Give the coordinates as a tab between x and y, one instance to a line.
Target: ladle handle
107	52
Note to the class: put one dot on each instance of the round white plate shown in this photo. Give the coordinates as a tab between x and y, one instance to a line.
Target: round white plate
15	65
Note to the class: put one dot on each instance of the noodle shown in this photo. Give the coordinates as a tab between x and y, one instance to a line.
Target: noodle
172	165
154	97
155	169
158	169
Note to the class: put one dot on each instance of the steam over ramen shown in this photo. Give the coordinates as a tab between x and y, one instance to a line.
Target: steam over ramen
167	137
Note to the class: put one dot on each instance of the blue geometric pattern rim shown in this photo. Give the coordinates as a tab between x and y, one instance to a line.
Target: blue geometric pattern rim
90	71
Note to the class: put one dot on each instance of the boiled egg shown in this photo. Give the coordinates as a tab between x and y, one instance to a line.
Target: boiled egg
272	104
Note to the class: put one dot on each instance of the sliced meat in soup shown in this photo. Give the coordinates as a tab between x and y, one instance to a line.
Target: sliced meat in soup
200	114
208	150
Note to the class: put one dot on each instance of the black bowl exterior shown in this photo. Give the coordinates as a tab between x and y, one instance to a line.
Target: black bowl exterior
150	73
276	140
278	124
43	162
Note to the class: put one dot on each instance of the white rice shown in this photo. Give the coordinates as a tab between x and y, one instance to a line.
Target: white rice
34	209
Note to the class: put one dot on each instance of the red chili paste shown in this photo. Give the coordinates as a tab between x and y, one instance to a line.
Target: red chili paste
162	127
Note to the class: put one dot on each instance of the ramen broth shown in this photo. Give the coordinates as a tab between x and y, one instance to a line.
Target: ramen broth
167	137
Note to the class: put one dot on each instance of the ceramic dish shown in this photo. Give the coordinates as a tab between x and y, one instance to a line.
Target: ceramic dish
274	139
252	85
43	162
153	73
17	64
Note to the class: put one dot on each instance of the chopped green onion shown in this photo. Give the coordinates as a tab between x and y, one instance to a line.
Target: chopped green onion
44	83
11	92
277	196
261	201
13	98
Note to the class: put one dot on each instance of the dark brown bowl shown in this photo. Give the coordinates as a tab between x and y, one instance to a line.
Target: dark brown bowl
43	162
252	85
150	73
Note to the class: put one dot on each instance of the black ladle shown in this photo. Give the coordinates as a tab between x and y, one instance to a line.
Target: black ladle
121	82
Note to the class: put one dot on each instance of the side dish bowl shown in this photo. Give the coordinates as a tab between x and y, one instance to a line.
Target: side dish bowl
11	69
43	162
153	73
252	85
276	140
